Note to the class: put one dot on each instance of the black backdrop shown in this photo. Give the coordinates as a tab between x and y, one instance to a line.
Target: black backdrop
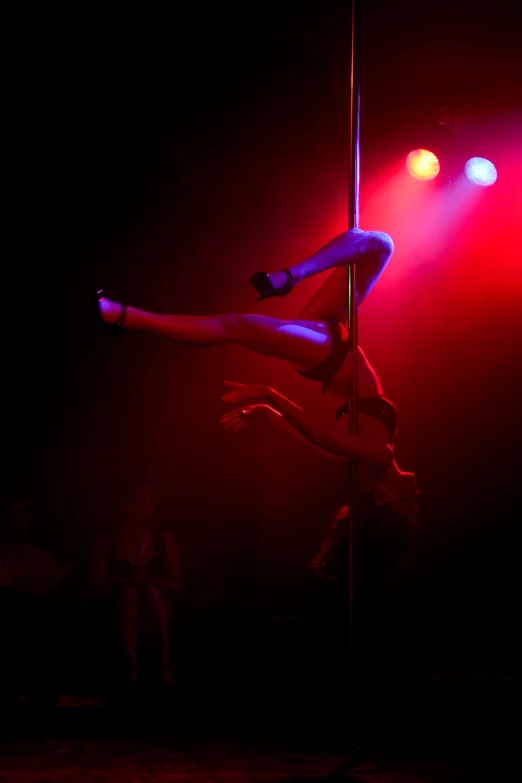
166	159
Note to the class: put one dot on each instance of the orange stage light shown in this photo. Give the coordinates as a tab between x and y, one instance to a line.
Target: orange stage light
422	164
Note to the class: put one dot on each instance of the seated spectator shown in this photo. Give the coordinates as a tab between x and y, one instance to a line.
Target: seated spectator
136	566
30	579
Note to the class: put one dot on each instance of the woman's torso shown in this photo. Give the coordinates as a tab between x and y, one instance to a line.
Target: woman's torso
368	387
130	550
368	383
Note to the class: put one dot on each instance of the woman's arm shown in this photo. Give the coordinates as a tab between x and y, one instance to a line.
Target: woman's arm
170	583
277	420
374	454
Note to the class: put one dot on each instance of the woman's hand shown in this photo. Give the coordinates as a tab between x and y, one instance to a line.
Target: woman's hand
26	585
236	419
163	585
138	576
246	392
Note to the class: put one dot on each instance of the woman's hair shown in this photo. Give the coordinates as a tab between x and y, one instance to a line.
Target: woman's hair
327	563
381	539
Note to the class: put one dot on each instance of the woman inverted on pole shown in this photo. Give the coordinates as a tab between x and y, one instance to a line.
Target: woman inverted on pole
316	344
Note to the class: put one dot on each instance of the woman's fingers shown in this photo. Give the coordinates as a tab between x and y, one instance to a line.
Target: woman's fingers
234	425
229	416
232	396
242	391
232	420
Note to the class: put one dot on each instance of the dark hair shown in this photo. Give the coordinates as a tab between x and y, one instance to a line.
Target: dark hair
381	540
329	560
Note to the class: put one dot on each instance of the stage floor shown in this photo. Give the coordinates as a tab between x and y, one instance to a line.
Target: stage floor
173	756
55	759
466	734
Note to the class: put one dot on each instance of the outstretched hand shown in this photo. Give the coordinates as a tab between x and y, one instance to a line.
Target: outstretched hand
245	392
236	419
252	401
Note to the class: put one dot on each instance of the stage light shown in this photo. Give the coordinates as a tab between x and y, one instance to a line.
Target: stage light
481	172
422	164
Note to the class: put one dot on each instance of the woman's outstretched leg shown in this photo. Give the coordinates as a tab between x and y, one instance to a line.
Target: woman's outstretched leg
304	343
371	250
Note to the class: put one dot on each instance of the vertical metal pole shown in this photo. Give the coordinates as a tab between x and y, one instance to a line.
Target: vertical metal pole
353	222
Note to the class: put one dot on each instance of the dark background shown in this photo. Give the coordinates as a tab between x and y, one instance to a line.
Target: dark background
166	157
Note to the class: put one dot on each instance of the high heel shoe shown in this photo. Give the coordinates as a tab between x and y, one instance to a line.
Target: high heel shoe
265	289
96	321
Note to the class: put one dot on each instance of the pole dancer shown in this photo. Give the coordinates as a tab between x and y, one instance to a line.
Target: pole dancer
316	344
321	344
